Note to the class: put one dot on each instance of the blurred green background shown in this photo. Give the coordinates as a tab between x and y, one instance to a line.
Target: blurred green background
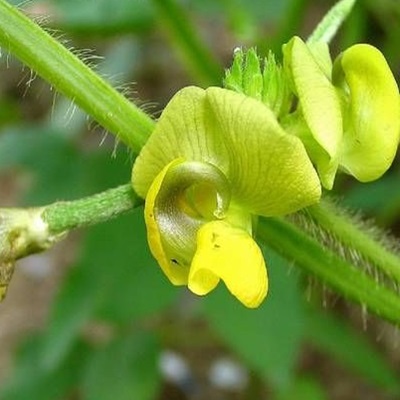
94	318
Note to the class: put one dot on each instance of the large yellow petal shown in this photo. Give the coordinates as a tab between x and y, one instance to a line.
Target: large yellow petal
228	253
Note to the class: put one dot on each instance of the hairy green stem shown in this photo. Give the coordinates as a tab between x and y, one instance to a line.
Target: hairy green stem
195	54
25	231
327	28
348	231
66	215
310	255
70	76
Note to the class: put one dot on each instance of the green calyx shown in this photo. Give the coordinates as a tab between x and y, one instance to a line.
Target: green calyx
263	80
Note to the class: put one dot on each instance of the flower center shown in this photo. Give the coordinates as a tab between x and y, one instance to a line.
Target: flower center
190	194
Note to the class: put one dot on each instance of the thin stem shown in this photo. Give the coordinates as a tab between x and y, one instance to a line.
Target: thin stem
327	28
64	216
310	255
340	224
195	54
69	75
25	231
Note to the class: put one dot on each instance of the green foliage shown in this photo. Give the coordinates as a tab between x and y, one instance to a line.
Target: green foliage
33	380
334	337
304	388
124	369
102	16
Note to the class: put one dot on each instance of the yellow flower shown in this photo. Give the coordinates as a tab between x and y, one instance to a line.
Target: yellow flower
348	114
215	161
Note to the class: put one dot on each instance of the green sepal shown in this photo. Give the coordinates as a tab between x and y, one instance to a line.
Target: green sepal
263	80
276	89
234	75
252	76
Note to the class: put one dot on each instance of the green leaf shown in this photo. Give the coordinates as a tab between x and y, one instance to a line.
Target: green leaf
380	198
59	169
269	170
336	338
103	15
124	369
266	83
268	339
304	388
34	381
73	308
48	157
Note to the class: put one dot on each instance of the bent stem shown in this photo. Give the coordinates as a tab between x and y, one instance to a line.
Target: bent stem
342	276
347	229
67	215
72	77
25	231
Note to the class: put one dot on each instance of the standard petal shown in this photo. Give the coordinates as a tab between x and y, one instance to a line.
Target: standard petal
269	169
228	253
177	274
372	125
185	129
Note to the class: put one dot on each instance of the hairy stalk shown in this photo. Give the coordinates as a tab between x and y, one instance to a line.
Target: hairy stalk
25	231
69	75
309	254
362	244
327	28
66	215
